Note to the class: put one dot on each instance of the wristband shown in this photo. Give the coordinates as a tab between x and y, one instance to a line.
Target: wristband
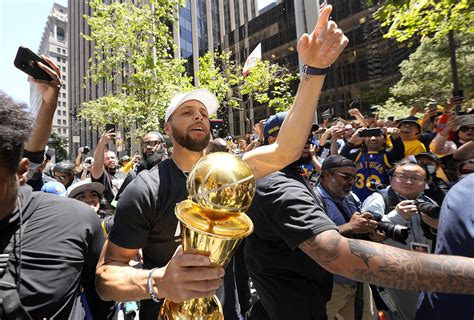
314	71
152	292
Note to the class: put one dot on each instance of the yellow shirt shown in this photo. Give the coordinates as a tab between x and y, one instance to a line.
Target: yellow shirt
413	147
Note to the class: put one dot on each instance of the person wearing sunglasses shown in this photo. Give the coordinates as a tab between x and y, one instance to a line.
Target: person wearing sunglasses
64	173
153	150
338	176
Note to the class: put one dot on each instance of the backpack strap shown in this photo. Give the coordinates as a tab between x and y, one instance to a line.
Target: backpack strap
390	199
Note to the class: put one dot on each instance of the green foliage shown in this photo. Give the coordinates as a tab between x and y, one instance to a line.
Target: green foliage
409	20
133	50
59	146
427	72
392	108
268	83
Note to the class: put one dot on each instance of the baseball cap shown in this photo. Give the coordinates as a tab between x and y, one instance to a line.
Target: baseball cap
336	161
84	185
410	119
65	166
274	123
54	187
429	155
466	120
204	96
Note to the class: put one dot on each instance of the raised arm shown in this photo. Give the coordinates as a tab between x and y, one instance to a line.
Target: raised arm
49	93
389	266
320	49
98	166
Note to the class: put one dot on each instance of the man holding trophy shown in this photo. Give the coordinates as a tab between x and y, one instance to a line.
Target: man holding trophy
145	216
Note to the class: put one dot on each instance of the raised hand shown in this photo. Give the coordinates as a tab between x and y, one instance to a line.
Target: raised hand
322	47
48	89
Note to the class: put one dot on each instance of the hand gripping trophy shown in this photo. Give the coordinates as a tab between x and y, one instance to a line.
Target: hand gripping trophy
220	188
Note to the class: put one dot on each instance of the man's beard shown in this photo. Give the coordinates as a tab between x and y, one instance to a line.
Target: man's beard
189	143
149	161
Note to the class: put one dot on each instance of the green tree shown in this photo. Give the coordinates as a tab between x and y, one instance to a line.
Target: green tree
59	146
268	83
133	50
427	72
392	108
408	20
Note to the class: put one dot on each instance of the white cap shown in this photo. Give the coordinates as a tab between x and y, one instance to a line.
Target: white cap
204	96
84	185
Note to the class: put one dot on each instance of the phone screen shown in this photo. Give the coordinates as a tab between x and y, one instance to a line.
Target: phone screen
110	126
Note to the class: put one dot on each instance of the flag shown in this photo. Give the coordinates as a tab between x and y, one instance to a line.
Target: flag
252	59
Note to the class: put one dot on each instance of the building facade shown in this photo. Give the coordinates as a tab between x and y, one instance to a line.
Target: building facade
54	44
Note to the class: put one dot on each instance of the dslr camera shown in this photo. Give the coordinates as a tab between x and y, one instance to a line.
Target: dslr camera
430	209
393	231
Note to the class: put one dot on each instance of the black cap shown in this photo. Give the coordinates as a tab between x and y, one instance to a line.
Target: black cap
430	155
410	119
65	166
337	161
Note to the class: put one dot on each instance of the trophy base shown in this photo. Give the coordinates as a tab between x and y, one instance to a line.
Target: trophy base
195	309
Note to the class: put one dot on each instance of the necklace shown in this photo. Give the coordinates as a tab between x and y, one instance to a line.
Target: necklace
185	173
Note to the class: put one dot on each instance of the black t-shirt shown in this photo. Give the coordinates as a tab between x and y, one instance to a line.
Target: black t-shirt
285	213
61	245
145	219
111	182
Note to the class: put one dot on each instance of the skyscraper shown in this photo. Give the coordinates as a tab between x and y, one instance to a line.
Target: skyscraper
54	42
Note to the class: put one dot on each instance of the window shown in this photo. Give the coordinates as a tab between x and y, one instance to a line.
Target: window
64	95
59	50
64	68
64	51
58	58
64	77
64	113
60	34
59	121
64	122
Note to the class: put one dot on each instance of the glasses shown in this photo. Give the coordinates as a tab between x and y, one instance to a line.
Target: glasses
61	177
404	178
151	144
347	176
465	128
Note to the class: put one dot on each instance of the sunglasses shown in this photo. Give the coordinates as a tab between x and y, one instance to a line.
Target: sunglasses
347	176
465	128
150	144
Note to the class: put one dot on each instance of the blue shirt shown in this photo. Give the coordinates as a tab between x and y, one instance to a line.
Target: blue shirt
350	204
455	237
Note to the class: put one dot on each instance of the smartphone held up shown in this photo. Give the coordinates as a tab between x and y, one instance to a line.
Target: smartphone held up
27	61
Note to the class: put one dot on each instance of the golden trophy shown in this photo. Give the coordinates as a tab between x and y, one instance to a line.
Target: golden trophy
220	189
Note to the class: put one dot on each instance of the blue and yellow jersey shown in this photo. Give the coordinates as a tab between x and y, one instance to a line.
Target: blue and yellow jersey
372	170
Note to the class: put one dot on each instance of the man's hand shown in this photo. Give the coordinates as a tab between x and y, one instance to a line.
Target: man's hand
406	209
362	223
187	276
432	222
106	137
258	129
356	139
394	132
312	150
354	112
49	89
322	47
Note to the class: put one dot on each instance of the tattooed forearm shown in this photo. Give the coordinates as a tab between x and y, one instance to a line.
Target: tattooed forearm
323	247
392	267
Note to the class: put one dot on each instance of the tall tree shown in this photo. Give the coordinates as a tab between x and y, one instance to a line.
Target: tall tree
133	50
408	20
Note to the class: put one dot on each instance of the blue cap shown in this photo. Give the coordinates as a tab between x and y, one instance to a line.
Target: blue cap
54	187
273	125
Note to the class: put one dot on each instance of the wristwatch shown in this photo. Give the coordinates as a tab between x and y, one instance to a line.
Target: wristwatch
314	71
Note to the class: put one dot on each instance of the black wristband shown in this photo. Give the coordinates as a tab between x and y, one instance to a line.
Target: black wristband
152	293
314	71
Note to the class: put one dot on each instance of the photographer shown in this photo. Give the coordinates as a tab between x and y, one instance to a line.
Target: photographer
368	149
350	299
83	168
404	204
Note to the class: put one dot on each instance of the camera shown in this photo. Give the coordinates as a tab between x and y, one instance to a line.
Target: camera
430	209
393	231
85	150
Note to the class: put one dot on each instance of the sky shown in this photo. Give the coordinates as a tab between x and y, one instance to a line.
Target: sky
22	23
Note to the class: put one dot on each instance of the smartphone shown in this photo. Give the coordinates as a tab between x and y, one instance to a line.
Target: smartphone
110	126
27	61
371	132
391	118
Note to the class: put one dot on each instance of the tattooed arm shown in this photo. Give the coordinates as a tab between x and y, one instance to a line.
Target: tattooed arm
389	266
